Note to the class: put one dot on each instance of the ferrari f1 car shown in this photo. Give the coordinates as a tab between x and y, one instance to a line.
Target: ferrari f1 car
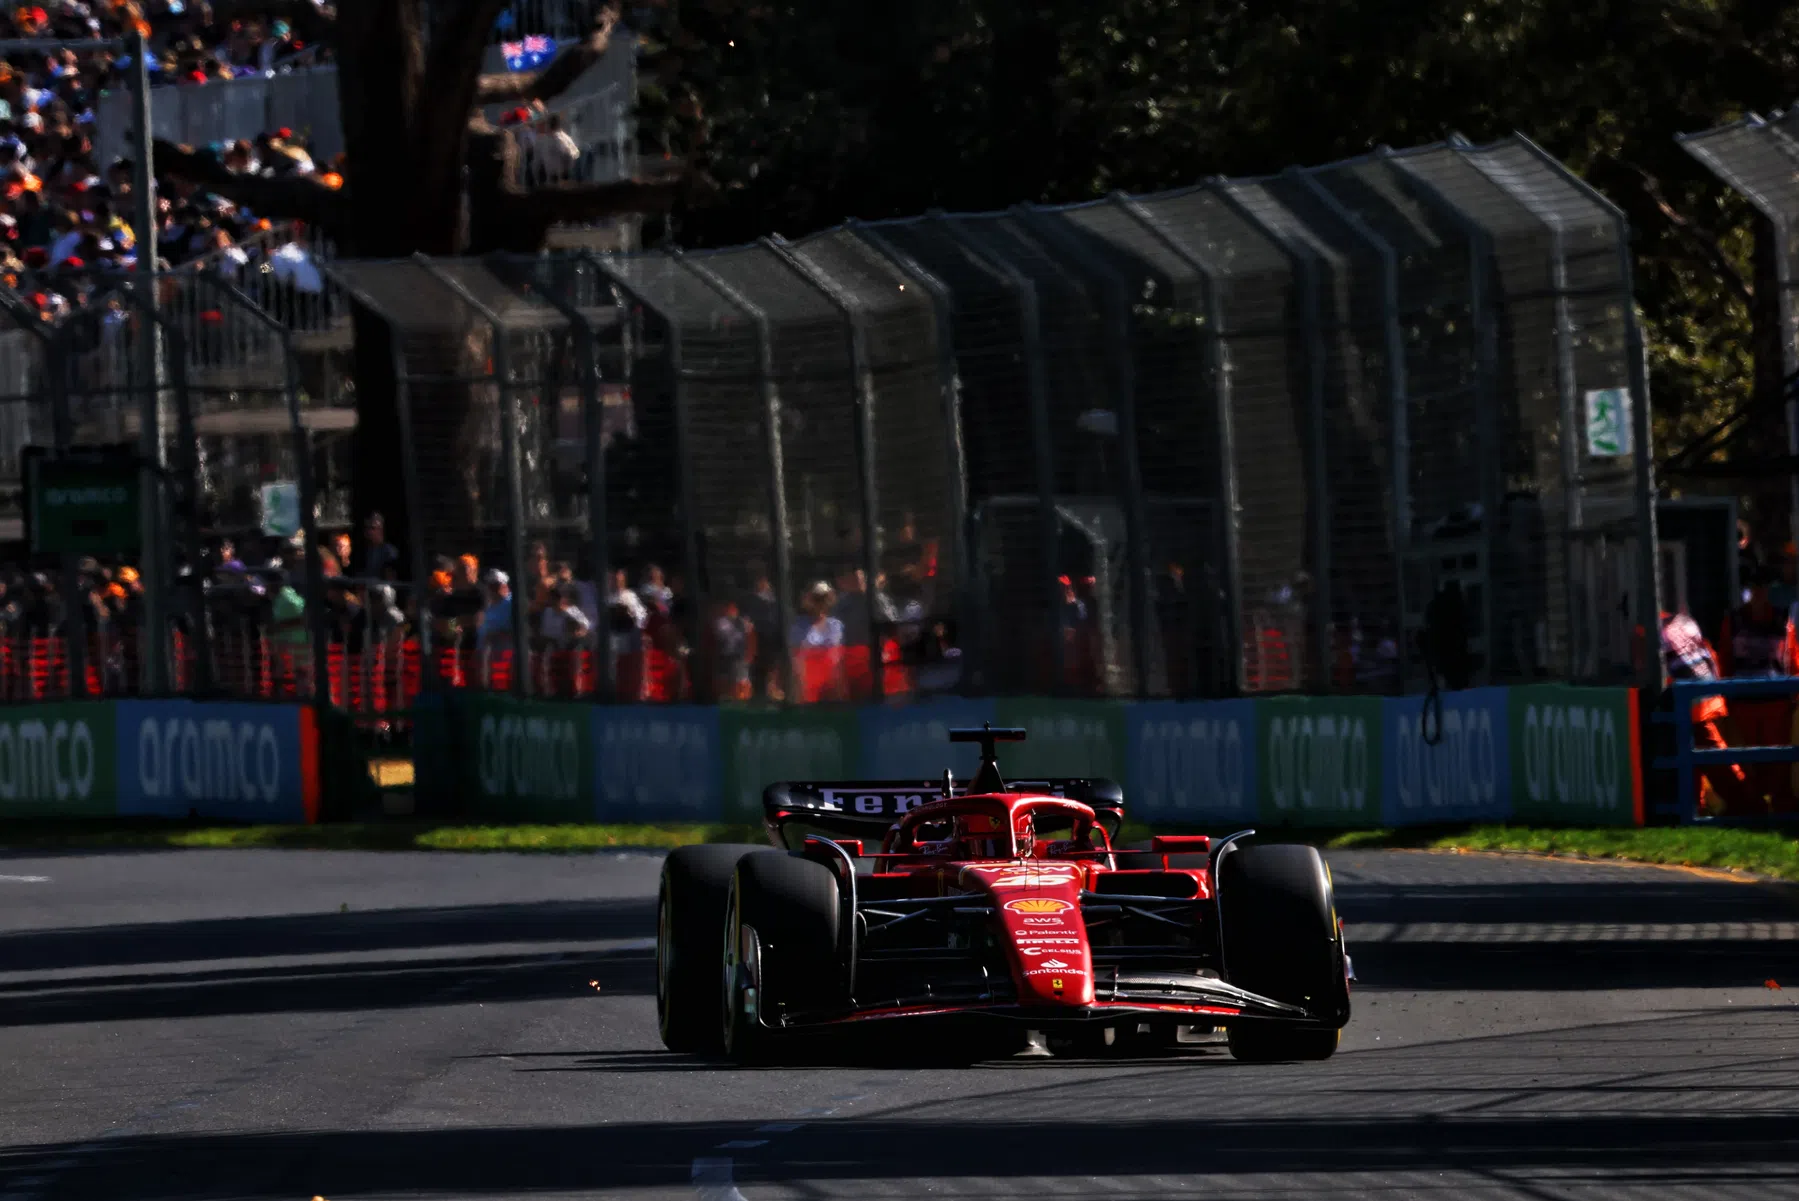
990	904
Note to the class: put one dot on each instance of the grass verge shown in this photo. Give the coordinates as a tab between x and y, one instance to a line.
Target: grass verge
1767	853
1770	853
364	836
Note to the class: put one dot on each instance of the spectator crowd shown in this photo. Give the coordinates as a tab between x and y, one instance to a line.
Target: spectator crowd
67	218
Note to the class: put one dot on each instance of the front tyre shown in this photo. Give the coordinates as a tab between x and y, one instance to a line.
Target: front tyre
690	916
1281	939
780	948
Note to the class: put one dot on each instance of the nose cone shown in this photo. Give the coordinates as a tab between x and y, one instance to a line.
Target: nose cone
1044	934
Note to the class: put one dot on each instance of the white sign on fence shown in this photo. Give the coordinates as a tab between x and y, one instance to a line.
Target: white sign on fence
1608	423
281	508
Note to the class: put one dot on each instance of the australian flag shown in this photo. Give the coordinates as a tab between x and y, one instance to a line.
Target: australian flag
529	54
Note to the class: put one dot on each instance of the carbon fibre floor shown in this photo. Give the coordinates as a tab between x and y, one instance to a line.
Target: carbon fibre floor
278	1025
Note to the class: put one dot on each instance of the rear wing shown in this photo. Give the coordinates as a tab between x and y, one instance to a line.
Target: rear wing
857	807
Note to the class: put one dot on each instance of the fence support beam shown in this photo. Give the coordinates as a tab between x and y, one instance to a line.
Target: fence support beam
782	565
1486	372
1303	262
1566	387
1397	390
1117	323
1642	430
1049	525
313	581
1218	353
515	490
950	381
864	435
594	447
690	534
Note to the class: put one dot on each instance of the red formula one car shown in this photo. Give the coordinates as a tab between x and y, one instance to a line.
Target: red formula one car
991	906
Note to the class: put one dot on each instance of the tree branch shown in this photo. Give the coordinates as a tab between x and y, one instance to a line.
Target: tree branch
297	197
1693	234
525	86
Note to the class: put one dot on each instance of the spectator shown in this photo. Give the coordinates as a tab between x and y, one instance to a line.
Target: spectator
733	643
554	153
762	609
380	558
563	626
1686	655
626	617
818	627
654	590
853	612
496	615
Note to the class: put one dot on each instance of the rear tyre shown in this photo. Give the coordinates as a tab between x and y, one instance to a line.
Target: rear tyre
690	924
781	949
1280	936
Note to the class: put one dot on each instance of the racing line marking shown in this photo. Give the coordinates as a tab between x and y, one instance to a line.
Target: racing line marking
742	1144
712	1180
24	879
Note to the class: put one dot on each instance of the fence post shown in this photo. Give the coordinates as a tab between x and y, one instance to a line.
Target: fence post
1397	391
1304	265
1486	372
1218	352
515	492
782	553
690	537
1117	324
1636	363
864	437
61	436
314	579
1049	525
1566	386
593	414
950	381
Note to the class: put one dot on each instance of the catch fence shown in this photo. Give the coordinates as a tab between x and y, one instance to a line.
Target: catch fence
1303	432
1759	158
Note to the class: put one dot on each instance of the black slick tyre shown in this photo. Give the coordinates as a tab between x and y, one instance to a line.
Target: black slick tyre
780	948
690	928
1279	933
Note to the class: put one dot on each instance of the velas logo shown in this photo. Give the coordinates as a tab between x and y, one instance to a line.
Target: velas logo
215	759
534	757
1039	905
46	762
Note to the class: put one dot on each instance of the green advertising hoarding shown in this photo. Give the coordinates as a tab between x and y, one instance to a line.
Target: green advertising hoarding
761	746
59	759
1319	761
1064	738
524	760
1574	755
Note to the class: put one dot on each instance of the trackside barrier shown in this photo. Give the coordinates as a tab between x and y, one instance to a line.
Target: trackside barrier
1543	753
1688	760
239	761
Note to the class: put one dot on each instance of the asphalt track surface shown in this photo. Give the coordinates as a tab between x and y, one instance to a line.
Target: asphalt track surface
263	1024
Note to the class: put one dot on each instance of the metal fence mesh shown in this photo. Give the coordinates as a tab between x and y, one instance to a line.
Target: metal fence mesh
1239	437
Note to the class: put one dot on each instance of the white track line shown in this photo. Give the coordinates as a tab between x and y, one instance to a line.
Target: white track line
712	1180
24	879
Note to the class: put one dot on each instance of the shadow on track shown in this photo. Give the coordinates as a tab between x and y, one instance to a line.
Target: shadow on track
472	1162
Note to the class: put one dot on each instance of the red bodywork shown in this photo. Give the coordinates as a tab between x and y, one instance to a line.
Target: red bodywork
985	847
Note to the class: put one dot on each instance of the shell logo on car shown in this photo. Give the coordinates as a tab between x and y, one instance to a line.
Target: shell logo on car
1039	905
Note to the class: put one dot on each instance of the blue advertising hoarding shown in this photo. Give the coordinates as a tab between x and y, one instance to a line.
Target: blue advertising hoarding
240	762
1457	771
1191	762
657	763
911	742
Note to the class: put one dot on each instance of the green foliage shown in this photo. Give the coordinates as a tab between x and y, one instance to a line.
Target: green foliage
1770	853
809	112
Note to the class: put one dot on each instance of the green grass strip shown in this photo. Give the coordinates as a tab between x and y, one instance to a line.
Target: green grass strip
1767	853
1770	853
